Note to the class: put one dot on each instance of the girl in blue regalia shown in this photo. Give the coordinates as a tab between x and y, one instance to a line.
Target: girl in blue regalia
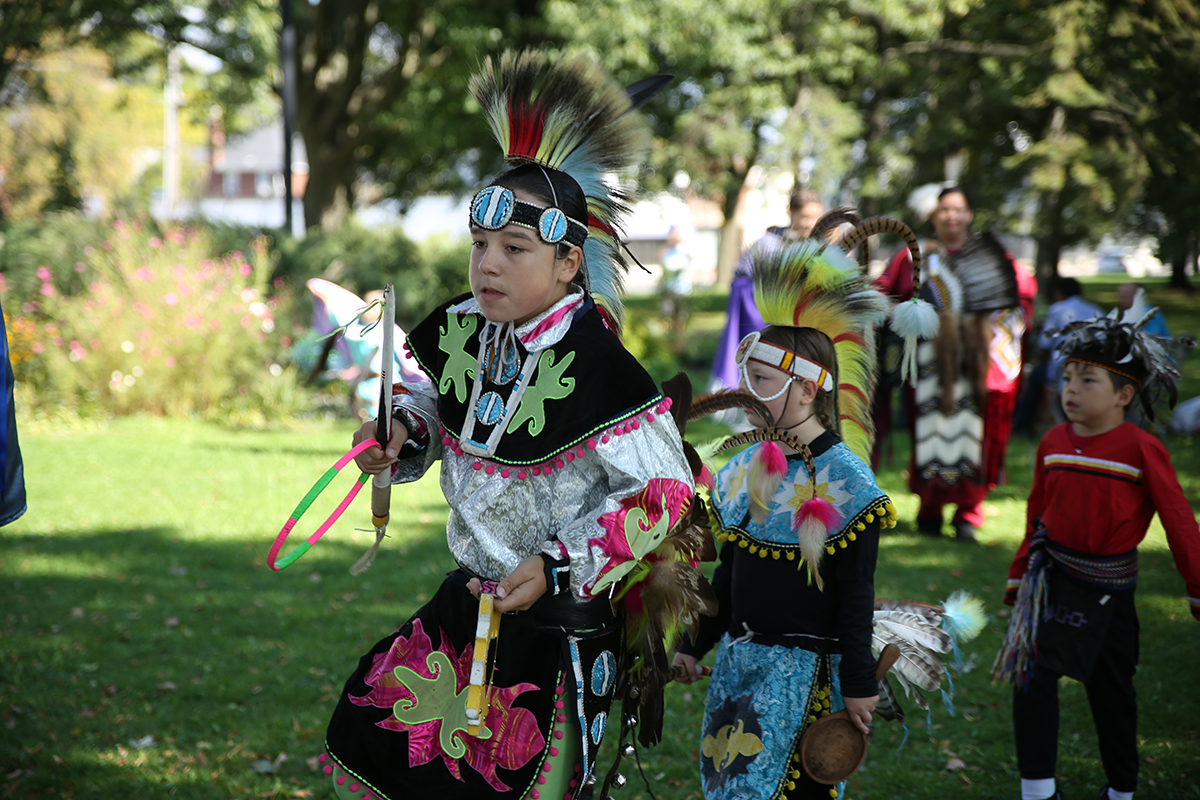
799	515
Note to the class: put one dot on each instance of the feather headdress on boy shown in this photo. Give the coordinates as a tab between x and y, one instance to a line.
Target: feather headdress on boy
566	114
813	284
1122	346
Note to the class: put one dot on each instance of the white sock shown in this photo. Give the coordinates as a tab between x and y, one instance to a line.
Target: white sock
1039	789
1113	794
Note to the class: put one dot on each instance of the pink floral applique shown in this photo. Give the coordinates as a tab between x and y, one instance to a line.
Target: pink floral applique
436	724
639	526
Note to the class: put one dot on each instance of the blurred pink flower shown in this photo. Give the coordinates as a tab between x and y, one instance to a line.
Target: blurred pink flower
178	236
156	242
28	307
178	270
80	267
147	334
215	325
57	341
171	299
245	322
244	269
37	348
286	341
277	283
155	352
144	274
118	224
43	274
3	283
89	250
170	361
107	245
47	290
95	344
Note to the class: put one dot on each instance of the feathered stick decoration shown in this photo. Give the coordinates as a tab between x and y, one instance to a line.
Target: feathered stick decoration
714	402
914	319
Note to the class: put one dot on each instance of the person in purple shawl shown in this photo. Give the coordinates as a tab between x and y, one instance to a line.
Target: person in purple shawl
804	208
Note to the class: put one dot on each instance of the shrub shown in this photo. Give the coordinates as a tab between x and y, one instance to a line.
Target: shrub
161	327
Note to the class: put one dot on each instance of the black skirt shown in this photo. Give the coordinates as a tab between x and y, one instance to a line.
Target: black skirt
399	729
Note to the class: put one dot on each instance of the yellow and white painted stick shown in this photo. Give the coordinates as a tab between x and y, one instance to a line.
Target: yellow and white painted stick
487	628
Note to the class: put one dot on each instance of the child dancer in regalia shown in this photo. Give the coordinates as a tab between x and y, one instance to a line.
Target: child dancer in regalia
559	461
799	514
1097	482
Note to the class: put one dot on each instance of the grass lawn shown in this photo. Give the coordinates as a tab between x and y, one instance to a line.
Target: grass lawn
147	652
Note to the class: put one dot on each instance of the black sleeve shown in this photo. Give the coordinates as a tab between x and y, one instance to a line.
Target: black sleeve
854	582
711	628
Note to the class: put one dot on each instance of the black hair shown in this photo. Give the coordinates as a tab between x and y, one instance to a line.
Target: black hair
537	181
957	190
802	197
1070	287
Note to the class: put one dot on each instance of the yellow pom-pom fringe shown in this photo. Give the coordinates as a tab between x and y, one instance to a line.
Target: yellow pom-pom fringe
842	543
753	548
743	542
852	536
791	556
829	549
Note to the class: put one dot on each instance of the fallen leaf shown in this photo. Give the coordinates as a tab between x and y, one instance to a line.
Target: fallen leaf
171	622
956	764
76	612
143	743
167	686
263	766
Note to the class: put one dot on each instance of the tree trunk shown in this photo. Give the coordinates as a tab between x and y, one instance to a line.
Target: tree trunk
1050	240
729	250
1176	247
1049	244
328	194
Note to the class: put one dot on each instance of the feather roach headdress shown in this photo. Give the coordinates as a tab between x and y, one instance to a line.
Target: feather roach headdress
1124	348
814	285
566	114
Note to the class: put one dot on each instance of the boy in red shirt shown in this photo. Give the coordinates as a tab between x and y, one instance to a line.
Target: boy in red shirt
1098	482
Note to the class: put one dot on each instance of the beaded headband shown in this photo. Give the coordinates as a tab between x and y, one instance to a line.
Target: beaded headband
496	206
752	348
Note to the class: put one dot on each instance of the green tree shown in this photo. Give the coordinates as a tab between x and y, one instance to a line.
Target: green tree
75	135
744	95
1152	57
381	86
